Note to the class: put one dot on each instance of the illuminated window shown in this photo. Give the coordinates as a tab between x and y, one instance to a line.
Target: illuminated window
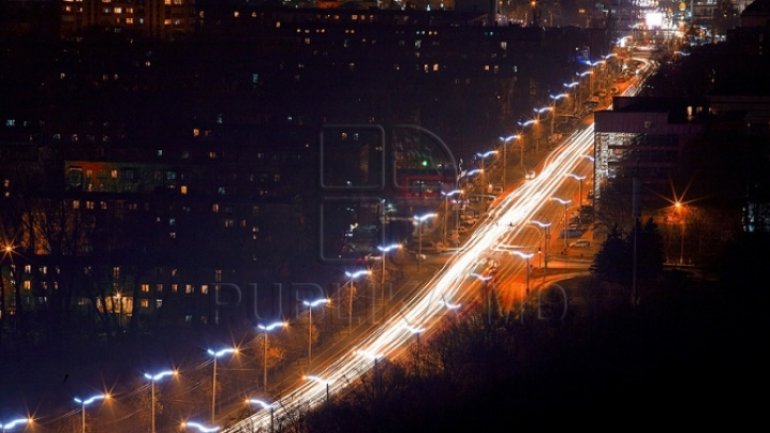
183	189
236	14
175	288
145	288
204	289
114	173
172	235
229	223
116	272
89	204
189	289
43	270
129	20
103	205
75	204
215	208
159	288
167	2
158	303
212	155
167	22
145	303
118	10
28	269
27	285
218	275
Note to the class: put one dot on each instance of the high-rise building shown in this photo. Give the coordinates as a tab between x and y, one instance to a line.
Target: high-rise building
162	19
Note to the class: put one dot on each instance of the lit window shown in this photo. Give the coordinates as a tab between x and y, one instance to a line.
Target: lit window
75	204
174	288
43	270
204	289
218	275
145	288
167	22
158	303
89	204
172	235
196	132
103	205
118	10
188	288
159	288
215	208
183	189
145	303
212	155
167	2
27	285
221	190
229	223
28	269
116	272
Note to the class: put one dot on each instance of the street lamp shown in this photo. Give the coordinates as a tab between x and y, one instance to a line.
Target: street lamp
447	195
680	207
505	141
216	355
483	157
384	250
564	203
546	237
580	180
556	99
265	405
200	427
540	112
154	378
352	276
573	85
10	425
484	279
320	381
266	329
310	305
418	220
526	257
85	402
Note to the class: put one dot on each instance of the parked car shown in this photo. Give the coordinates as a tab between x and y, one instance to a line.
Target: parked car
580	243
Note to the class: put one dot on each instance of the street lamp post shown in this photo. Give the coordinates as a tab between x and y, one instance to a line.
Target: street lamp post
216	355
419	220
564	203
573	85
384	250
555	99
310	305
155	378
484	279
546	226
265	405
10	425
85	402
319	381
352	276
483	157
580	186
447	195
540	112
526	257
679	206
266	329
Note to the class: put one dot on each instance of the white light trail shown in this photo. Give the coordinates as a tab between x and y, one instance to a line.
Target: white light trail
451	282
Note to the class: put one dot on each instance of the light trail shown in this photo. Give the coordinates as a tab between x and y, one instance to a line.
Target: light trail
450	284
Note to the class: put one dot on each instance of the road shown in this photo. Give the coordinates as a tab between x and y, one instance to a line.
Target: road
507	222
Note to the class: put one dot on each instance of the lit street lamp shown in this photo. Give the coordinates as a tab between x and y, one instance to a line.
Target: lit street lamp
485	279
215	356
10	425
505	141
86	402
384	250
447	195
418	220
540	112
483	156
155	378
564	203
680	208
310	305
573	85
580	180
266	329
320	381
526	257
352	276
200	427
546	237
265	405
556	99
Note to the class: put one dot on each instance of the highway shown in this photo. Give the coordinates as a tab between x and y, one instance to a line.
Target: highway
508	222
